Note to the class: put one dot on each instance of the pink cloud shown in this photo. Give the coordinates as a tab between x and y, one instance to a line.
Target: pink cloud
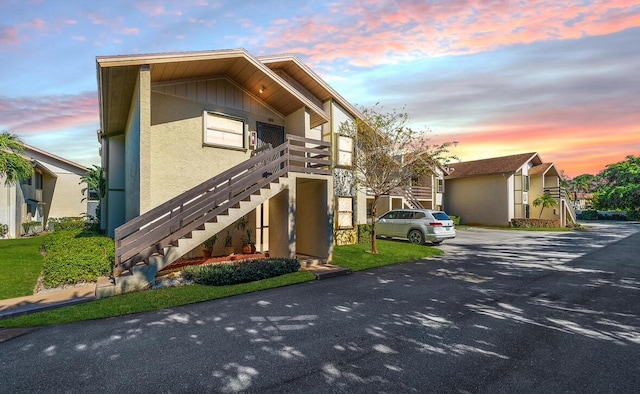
10	36
153	9
370	32
27	115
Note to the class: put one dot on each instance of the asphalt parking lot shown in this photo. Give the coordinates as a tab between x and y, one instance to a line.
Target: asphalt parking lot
500	312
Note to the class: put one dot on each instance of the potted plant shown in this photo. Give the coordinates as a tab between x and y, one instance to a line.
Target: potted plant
248	245
228	244
208	246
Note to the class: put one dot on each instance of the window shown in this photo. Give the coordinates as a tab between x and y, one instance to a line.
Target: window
345	212
525	183
345	151
440	185
224	130
39	182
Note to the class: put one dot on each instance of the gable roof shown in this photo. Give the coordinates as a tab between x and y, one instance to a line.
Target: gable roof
494	166
542	169
305	78
117	76
42	159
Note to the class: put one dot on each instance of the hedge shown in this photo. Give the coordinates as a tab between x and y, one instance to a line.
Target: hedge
241	271
535	223
67	223
76	257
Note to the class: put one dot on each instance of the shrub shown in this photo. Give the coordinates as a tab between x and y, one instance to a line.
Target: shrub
76	257
4	229
364	233
456	220
535	223
589	215
67	223
240	271
31	227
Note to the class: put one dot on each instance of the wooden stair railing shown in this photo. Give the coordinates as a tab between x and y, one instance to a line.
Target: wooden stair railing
165	224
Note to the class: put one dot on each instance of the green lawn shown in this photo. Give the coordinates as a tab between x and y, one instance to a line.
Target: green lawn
356	257
350	256
20	266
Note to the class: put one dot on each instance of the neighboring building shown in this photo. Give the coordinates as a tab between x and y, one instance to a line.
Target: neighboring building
582	201
426	192
54	191
493	191
185	152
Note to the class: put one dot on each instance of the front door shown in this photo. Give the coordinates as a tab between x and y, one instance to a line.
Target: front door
270	134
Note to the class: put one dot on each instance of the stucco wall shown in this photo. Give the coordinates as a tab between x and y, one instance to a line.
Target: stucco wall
478	200
311	217
66	197
132	158
178	158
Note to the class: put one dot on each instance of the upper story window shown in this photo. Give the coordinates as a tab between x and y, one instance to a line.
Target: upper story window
345	151
225	131
440	186
525	183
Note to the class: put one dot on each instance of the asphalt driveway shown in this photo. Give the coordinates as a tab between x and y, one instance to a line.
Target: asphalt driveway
502	311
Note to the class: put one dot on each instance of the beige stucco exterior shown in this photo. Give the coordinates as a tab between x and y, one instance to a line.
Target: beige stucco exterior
481	200
494	198
55	190
154	146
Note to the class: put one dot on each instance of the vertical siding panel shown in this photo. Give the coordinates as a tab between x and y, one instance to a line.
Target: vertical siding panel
239	99
180	90
201	91
192	90
220	87
211	91
246	102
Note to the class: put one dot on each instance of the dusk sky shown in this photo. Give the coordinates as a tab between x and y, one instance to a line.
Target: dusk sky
561	78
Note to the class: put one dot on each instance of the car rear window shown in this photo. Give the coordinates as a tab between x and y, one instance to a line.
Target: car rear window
440	216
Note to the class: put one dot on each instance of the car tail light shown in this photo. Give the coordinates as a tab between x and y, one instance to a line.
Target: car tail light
435	224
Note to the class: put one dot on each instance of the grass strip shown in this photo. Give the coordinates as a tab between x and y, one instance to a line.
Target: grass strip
20	266
145	301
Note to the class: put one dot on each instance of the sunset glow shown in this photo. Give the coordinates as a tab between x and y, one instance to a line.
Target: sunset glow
556	77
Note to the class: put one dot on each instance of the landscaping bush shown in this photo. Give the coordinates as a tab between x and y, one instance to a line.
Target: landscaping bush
589	215
364	233
240	271
456	220
4	229
76	257
31	228
67	223
535	223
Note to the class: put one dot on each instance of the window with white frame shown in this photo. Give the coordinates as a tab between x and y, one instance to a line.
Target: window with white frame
345	151
525	183
440	186
222	130
345	212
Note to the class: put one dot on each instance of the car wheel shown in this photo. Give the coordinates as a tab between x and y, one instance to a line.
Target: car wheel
416	237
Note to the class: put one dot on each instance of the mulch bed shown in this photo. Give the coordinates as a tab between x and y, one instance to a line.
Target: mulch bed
179	264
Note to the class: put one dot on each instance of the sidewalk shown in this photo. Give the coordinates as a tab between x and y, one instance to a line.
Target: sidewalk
39	302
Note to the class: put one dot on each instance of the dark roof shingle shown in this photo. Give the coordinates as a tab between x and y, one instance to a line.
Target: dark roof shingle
493	166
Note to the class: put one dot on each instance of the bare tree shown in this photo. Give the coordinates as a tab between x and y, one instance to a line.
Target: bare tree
389	154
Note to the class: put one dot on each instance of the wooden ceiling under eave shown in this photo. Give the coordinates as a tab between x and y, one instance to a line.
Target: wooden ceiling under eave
118	84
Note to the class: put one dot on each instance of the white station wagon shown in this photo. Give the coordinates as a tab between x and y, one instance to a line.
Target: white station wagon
416	225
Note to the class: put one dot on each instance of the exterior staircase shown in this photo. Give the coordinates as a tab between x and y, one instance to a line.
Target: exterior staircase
155	239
